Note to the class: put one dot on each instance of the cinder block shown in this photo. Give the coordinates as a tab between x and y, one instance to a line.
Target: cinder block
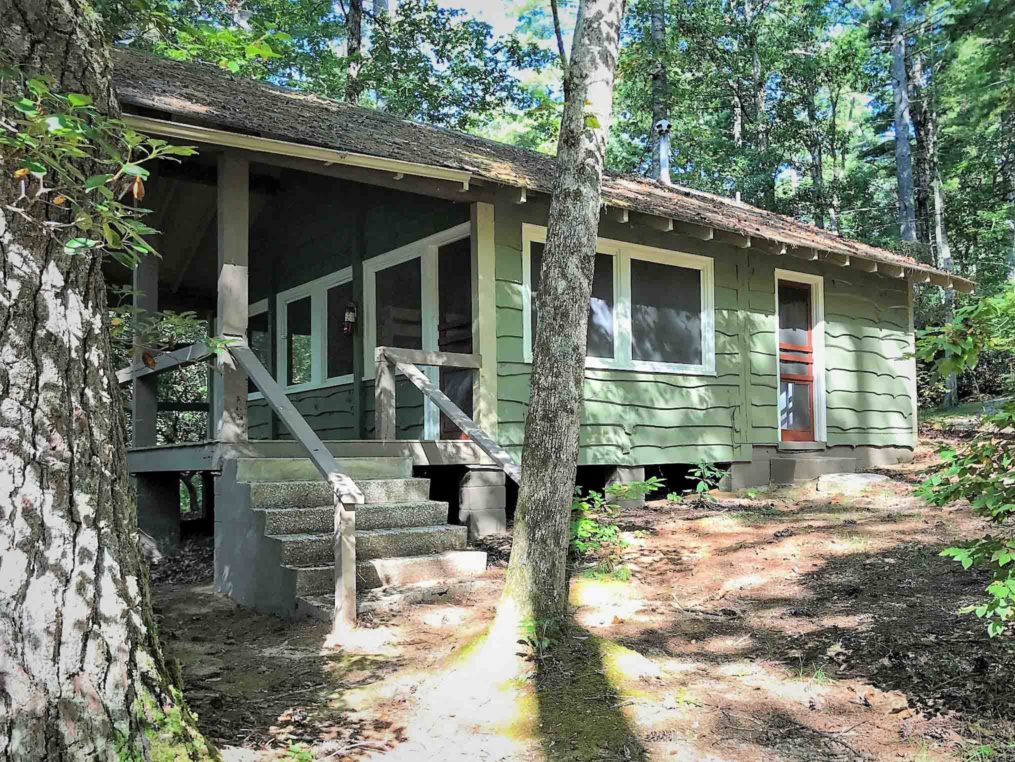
755	473
626	475
485	522
482	498
483	476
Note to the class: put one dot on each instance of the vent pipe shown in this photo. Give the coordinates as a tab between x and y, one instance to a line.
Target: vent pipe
662	131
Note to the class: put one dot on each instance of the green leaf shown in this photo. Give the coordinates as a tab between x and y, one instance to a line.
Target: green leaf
78	100
95	181
135	170
77	245
592	122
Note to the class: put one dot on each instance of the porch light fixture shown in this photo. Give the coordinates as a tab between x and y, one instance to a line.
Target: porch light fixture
351	316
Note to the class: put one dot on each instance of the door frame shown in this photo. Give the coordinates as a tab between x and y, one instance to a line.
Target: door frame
817	285
426	250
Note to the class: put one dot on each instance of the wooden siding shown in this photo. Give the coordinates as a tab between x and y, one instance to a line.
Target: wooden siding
637	418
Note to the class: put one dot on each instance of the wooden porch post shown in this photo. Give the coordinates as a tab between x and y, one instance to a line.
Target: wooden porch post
145	405
231	316
484	316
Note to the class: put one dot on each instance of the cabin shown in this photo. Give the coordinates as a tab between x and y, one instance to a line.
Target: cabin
376	281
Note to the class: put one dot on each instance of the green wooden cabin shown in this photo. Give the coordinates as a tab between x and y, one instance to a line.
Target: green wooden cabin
320	231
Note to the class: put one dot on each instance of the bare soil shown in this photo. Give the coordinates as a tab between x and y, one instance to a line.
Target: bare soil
785	624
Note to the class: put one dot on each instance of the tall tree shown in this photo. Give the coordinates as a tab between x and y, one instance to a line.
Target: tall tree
536	582
82	675
353	49
903	125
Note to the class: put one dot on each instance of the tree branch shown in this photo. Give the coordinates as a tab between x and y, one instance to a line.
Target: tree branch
560	38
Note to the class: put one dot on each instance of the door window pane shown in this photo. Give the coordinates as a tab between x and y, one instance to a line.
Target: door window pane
454	327
399	306
795	406
259	340
795	368
601	329
339	343
794	314
299	342
665	313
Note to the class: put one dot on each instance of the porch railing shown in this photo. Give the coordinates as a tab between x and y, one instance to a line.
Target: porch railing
405	361
344	488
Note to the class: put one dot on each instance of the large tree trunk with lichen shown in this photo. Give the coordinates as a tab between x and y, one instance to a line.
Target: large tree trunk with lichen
537	571
82	675
903	126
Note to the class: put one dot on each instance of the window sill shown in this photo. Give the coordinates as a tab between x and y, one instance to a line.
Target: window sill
671	369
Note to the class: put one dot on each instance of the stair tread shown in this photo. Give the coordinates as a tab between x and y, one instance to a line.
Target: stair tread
399	559
391	504
303	536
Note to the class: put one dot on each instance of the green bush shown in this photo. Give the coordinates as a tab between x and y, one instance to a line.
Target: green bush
594	532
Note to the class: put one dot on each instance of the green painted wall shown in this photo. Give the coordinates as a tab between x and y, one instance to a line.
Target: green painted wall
636	418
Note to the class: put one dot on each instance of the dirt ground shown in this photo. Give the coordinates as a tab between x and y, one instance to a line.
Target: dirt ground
785	624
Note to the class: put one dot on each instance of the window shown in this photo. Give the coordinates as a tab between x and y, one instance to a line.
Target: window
601	328
312	349
651	309
259	337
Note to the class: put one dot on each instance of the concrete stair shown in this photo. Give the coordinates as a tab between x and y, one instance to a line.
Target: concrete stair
794	467
402	537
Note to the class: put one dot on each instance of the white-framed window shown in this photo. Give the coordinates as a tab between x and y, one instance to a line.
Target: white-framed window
259	340
312	349
651	309
401	305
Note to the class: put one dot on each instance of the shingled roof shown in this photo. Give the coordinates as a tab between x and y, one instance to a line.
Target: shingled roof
207	96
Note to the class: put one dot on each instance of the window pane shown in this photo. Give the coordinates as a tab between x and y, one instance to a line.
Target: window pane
299	342
454	327
339	343
794	314
399	306
600	332
795	368
665	313
259	339
794	406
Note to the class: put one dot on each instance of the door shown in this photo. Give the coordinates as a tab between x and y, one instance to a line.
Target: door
454	326
796	362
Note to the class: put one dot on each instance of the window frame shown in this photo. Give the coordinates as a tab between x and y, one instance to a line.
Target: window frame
253	310
820	400
622	253
317	291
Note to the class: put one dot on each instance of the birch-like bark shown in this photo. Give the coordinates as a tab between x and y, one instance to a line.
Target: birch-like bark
903	127
82	675
536	582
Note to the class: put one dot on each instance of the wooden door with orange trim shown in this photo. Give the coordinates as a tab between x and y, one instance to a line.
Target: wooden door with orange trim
796	362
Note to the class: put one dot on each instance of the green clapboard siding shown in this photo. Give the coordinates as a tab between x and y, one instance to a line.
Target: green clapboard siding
634	418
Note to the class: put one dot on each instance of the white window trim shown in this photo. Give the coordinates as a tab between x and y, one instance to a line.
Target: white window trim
817	284
257	308
317	291
622	253
426	250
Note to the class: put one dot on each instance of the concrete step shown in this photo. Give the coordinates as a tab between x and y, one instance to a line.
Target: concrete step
302	469
309	549
310	494
387	600
409	570
801	468
279	521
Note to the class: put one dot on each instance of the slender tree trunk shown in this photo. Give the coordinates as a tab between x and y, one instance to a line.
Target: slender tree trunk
82	675
903	128
738	132
660	86
920	94
537	584
353	49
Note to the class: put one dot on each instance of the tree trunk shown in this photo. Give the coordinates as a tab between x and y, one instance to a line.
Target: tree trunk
660	86
537	582
921	125
353	49
903	128
82	674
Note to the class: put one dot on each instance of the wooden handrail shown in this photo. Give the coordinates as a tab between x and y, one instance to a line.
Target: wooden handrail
178	358
345	490
390	359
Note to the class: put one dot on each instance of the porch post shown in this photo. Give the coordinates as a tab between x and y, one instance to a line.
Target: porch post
145	404
484	316
231	315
